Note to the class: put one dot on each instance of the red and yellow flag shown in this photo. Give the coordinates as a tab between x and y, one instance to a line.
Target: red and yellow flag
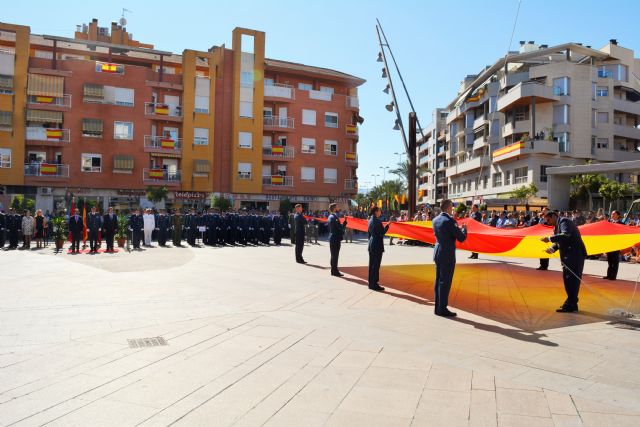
54	133
44	99
109	68
351	129
156	173
351	156
48	169
277	150
167	143
162	109
277	180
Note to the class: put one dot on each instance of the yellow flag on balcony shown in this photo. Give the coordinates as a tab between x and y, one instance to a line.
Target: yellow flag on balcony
54	133
48	169
277	150
352	129
277	180
162	109
351	156
167	143
44	99
156	173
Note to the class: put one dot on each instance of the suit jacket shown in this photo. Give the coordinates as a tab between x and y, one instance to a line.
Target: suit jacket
94	221
376	234
76	226
110	225
336	230
447	232
300	222
476	216
568	240
135	222
3	221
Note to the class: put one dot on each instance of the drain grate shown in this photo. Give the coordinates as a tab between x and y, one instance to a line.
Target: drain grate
146	342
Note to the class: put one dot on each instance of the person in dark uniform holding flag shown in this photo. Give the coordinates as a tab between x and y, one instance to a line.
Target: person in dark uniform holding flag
336	234
109	228
76	228
476	216
566	238
375	247
94	224
613	258
299	222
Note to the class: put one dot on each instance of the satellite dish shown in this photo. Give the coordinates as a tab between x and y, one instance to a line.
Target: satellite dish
123	22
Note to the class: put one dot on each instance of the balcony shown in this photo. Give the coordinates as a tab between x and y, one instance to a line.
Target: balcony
276	152
479	122
279	92
49	103
161	176
615	155
164	112
626	131
47	136
160	144
626	106
442	182
351	131
352	102
479	143
521	126
46	172
522	94
469	165
351	184
513	79
530	147
320	95
277	181
278	123
351	158
441	151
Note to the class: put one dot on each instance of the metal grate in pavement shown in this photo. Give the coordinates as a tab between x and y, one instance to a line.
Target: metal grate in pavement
146	342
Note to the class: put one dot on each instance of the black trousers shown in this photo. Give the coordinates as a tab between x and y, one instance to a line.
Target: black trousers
613	259
277	236
544	263
93	239
375	259
75	240
1	239
572	276
137	236
299	246
334	247
162	236
442	287
108	237
13	238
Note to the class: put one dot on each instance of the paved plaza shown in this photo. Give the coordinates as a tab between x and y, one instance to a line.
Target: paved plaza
246	337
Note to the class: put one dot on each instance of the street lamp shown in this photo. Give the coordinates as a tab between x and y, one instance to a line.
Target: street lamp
375	178
384	172
399	157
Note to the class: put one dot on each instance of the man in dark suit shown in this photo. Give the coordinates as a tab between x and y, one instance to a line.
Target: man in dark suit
299	222
277	229
476	216
444	255
613	258
136	223
376	247
163	225
76	228
336	234
14	227
94	224
109	228
567	239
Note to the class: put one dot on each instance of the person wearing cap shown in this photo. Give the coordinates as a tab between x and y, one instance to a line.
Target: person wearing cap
176	227
566	238
336	234
299	222
109	227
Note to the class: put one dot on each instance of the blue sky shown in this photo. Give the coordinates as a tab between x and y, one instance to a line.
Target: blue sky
435	42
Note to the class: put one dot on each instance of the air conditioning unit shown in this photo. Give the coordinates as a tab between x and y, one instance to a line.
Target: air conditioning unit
45	191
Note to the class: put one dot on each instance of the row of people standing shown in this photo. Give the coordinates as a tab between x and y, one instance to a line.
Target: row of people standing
14	226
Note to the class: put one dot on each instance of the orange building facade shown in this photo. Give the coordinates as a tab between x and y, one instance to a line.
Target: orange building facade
103	116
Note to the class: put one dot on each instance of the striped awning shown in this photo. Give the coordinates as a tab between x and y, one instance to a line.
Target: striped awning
39	84
122	162
6	82
201	166
93	90
44	116
6	118
92	125
168	155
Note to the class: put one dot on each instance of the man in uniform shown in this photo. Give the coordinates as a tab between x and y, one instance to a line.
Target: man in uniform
544	262
613	258
336	234
163	227
277	229
14	227
149	224
76	228
476	216
300	222
94	224
567	239
444	255
3	226
176	227
136	224
109	228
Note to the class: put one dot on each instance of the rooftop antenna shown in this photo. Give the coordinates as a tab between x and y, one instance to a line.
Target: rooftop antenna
123	20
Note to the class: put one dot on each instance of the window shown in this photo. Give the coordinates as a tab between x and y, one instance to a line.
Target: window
244	170
330	176
543	173
561	114
602	142
326	89
246	109
507	178
520	175
307	174
245	139
267	141
603	117
119	96
485	181
309	117
497	179
305	86
200	136
468	119
594	87
602	91
561	86
91	162
122	130
331	148
45	54
562	138
330	120
92	128
308	145
5	157
202	104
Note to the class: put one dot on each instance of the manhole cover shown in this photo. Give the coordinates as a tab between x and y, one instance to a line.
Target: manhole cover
146	342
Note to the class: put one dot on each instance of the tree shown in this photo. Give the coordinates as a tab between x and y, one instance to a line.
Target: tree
22	204
156	194
613	191
582	186
461	208
386	190
285	207
402	170
221	203
524	192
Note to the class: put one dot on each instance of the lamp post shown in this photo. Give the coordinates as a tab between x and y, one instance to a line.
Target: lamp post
399	157
375	180
384	172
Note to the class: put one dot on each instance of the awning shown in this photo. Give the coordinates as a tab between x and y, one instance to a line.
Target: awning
44	116
6	82
45	85
122	162
201	166
92	125
93	91
168	155
6	118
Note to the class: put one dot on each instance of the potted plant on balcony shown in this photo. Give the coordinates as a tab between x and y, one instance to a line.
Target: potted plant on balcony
59	225
122	231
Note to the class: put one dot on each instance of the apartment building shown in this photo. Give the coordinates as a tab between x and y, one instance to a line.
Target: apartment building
537	108
432	179
104	116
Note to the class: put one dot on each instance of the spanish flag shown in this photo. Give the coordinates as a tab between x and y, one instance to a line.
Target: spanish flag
109	68
162	109
352	129
277	150
48	169
351	156
84	221
167	143
54	133
403	199
396	198
156	173
44	99
277	180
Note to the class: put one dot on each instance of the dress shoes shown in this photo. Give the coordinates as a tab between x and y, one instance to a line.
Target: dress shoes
565	309
541	268
473	257
377	288
301	262
446	313
337	274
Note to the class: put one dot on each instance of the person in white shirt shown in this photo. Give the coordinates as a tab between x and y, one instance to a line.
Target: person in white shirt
149	225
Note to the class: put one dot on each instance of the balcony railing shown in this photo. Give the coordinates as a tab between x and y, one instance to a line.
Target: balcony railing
278	122
161	109
162	143
350	184
50	101
277	181
351	158
161	175
47	134
352	102
52	170
278	152
320	95
278	90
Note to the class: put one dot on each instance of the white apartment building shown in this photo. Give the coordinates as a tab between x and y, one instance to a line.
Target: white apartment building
432	180
539	107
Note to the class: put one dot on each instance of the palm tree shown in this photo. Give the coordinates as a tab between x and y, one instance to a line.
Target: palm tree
402	170
584	185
